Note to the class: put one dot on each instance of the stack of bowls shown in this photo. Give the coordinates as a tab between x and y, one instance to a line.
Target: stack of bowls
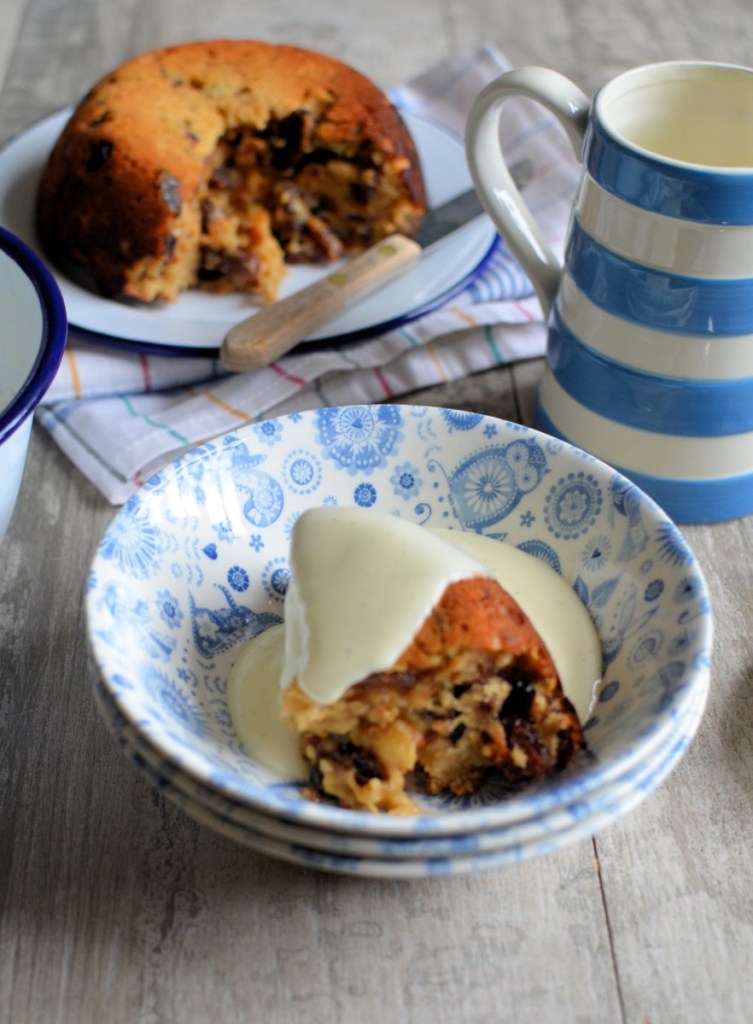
32	341
197	563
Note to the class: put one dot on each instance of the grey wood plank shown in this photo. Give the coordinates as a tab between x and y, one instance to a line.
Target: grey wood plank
677	872
13	12
114	905
357	33
592	40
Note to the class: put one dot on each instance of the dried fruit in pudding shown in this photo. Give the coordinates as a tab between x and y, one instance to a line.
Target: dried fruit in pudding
472	689
214	164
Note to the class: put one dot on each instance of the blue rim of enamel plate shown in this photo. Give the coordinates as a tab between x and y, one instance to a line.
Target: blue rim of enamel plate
353	337
123	342
54	333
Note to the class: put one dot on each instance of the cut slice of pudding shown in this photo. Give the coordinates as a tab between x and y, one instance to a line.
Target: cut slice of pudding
217	163
409	669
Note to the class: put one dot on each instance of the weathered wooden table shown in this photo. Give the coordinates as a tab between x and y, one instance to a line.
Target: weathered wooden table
116	907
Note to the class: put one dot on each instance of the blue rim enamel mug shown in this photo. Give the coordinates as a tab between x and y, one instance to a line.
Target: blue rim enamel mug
649	360
33	331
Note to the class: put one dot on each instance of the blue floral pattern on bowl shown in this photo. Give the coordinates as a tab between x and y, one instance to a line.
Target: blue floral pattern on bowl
414	856
196	564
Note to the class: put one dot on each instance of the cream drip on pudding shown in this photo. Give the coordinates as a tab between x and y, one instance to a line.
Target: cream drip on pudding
361	585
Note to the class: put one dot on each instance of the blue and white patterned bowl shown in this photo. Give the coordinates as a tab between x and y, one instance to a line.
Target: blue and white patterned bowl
196	563
426	858
367	854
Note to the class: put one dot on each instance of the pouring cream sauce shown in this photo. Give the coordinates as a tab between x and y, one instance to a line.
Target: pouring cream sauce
361	585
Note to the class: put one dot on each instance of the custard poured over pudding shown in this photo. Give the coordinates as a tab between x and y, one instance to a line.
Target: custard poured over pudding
404	666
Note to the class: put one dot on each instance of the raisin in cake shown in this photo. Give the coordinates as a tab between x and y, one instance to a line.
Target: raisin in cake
217	163
474	689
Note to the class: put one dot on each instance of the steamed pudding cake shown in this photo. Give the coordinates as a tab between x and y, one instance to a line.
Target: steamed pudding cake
412	669
214	164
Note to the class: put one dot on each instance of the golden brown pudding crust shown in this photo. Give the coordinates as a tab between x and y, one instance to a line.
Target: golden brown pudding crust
216	162
476	691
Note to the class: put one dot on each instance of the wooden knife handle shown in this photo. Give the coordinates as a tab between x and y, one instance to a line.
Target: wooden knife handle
277	328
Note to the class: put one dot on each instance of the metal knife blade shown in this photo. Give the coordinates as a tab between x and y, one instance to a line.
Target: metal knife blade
462	209
274	330
442	220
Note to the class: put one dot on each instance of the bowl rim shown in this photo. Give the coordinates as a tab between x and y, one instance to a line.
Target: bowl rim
54	333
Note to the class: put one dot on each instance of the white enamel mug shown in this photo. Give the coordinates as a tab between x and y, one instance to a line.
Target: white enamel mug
650	345
33	330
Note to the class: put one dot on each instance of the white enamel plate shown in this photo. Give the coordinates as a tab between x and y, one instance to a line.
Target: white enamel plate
198	321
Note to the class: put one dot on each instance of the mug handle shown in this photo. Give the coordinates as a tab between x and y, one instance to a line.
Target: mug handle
492	179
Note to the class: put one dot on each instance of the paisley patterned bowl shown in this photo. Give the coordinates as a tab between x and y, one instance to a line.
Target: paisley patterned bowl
196	563
408	857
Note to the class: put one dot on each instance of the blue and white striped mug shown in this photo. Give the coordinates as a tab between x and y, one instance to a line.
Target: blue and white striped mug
650	346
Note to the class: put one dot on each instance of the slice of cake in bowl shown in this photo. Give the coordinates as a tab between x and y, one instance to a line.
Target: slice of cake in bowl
409	669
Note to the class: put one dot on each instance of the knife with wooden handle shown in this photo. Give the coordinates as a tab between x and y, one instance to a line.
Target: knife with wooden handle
279	327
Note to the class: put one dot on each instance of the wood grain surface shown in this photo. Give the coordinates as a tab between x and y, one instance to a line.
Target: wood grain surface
116	907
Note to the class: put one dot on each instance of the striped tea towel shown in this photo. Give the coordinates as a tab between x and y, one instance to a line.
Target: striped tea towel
120	416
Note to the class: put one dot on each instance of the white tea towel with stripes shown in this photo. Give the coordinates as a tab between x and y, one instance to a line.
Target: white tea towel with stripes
120	416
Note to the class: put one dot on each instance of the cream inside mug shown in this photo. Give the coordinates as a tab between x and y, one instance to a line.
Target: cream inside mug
650	347
702	115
